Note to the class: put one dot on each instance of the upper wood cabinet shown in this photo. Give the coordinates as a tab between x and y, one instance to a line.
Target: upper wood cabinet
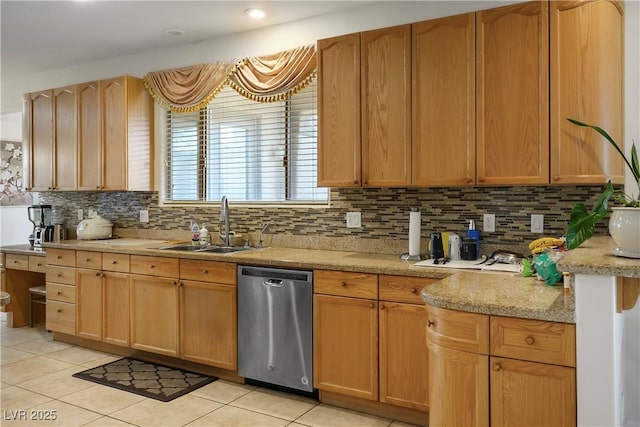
91	136
50	126
339	151
443	103
123	145
364	109
386	107
586	85
512	57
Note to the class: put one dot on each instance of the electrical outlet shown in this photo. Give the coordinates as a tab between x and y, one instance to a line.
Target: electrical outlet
489	225
537	223
80	215
354	220
144	215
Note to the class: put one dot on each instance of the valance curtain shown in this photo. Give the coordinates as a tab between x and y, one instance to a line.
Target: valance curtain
265	79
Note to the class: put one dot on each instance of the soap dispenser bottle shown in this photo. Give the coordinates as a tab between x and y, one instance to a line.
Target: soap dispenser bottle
204	235
473	233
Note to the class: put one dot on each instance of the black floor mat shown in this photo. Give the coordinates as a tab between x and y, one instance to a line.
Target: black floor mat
146	379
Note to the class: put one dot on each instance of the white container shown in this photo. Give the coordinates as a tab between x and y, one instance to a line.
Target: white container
624	228
94	228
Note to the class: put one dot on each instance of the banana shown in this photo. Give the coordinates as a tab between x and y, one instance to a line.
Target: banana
545	242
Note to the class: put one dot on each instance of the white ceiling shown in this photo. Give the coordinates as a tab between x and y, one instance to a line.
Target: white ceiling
39	36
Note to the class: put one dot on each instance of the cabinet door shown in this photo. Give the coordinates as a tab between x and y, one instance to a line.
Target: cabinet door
89	304
444	101
339	150
208	324
116	309
154	314
65	144
458	387
41	141
345	334
89	137
404	381
529	393
513	94
587	85
114	142
386	107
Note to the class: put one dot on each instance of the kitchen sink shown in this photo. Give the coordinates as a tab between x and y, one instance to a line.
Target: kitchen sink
205	249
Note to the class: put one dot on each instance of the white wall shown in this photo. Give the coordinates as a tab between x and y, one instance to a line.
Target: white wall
14	226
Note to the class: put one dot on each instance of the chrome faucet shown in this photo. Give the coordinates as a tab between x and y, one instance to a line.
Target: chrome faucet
224	217
260	234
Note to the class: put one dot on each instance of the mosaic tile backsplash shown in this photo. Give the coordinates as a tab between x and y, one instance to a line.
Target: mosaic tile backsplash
385	216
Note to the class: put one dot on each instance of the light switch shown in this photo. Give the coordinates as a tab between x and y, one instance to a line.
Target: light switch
537	223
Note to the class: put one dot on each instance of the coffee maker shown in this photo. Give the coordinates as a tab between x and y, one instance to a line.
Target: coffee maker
41	216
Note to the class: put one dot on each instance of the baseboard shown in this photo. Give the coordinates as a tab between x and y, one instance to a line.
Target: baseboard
407	415
149	357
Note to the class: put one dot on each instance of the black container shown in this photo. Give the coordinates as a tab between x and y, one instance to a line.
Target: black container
436	250
469	248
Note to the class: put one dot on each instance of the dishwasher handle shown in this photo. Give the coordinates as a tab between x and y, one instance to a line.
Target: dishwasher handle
273	283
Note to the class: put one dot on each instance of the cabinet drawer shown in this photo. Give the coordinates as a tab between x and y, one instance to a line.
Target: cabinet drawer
458	330
17	262
89	259
37	264
61	317
341	283
61	293
116	262
208	271
403	289
64	257
57	274
155	266
534	340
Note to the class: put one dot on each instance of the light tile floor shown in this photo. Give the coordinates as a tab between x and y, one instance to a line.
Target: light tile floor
36	381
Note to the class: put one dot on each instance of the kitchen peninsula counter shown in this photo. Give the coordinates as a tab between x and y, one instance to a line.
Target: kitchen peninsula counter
495	293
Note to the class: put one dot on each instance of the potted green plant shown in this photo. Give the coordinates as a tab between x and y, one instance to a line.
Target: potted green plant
624	225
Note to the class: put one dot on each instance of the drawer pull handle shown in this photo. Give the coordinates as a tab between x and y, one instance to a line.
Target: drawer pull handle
59	293
59	310
529	340
413	290
59	274
87	259
39	264
114	262
496	367
205	271
152	266
430	323
59	256
15	261
343	284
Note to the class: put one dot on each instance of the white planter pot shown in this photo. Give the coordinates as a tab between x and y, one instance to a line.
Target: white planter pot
624	227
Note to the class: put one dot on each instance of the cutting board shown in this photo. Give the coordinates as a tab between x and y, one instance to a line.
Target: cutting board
471	265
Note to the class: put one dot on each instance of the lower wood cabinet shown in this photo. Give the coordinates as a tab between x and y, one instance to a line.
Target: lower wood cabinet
154	314
89	304
500	371
404	379
208	324
116	305
346	345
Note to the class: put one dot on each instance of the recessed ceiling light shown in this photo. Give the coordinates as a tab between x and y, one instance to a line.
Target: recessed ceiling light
174	32
255	13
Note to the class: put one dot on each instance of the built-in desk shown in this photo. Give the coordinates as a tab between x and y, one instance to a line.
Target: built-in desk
22	268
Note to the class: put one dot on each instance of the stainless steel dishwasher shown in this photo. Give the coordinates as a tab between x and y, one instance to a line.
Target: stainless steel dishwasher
275	326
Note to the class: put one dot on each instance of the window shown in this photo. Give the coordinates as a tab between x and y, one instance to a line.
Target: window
248	151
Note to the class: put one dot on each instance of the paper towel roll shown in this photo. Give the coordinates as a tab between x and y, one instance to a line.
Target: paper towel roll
414	232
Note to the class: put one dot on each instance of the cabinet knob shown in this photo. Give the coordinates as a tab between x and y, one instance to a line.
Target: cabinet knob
87	259
97	187
152	266
15	261
59	292
343	284
98	274
114	262
59	310
496	367
382	307
469	180
39	264
413	290
529	340
430	323
59	274
556	178
371	305
480	179
205	271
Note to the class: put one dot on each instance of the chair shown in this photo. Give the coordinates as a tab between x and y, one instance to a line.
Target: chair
37	295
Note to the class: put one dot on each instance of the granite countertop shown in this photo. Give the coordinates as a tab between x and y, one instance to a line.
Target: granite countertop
498	293
595	256
23	250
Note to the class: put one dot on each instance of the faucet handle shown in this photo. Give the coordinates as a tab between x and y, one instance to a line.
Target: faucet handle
264	227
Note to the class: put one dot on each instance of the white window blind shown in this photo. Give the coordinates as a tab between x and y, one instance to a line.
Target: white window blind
248	151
